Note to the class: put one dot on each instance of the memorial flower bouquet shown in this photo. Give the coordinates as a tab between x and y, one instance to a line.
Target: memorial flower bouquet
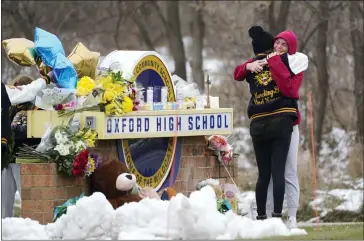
68	148
220	145
116	99
110	93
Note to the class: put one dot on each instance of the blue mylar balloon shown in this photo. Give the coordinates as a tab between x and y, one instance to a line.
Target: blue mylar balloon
64	72
47	46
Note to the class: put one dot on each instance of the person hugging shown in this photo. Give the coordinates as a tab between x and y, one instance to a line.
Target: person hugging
271	117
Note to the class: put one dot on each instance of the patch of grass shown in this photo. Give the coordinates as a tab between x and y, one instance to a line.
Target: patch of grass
306	213
337	232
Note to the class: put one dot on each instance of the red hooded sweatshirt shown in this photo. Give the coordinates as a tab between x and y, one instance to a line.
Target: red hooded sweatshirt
287	84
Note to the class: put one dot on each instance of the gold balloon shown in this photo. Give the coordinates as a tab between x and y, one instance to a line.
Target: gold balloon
19	51
84	60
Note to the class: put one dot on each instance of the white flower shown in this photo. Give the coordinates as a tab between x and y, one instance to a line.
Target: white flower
80	145
60	137
63	150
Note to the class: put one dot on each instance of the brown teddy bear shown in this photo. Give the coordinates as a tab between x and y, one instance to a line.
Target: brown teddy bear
112	178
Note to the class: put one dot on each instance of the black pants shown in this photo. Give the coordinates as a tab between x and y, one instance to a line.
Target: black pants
271	140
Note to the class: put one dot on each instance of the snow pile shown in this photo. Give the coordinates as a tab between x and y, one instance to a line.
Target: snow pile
20	229
195	217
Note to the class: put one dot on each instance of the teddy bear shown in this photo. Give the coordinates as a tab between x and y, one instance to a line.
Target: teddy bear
112	178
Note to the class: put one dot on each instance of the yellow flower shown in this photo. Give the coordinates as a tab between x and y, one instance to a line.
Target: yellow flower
92	164
104	80
110	108
85	85
88	136
109	95
119	89
127	104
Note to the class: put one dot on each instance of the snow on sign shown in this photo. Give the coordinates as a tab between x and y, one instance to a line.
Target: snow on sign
170	124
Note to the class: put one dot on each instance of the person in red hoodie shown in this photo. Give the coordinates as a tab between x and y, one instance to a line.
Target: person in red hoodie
288	79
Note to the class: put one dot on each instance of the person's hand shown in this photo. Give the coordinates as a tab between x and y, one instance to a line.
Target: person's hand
271	55
256	66
48	77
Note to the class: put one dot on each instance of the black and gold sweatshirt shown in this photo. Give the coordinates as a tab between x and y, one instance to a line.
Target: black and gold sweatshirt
266	98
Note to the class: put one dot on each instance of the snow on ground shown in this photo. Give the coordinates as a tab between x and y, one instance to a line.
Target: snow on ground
195	217
359	184
351	200
334	156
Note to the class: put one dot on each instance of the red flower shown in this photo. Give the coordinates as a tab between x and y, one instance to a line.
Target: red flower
79	163
58	107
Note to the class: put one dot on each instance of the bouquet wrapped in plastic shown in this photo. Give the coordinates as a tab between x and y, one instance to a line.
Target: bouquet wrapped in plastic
68	148
117	92
110	92
53	96
219	144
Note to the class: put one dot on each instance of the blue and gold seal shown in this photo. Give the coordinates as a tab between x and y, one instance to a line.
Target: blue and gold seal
154	161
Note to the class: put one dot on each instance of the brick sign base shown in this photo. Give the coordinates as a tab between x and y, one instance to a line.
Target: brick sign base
197	164
43	188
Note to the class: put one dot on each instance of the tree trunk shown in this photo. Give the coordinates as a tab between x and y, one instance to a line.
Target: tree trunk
175	39
278	25
139	20
358	49
322	73
197	27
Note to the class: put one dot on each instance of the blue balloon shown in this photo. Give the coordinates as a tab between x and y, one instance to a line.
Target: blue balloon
64	72
50	50
47	46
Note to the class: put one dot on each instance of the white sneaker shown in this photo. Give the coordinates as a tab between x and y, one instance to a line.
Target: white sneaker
291	223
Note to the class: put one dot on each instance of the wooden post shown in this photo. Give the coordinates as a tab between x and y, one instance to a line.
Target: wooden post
208	82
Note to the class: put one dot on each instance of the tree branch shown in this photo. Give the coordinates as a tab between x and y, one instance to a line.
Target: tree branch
310	35
161	16
140	22
311	7
338	119
271	19
118	23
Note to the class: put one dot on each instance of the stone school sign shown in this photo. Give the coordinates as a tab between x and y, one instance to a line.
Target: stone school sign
169	124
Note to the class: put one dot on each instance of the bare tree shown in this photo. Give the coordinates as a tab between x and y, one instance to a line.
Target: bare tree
322	73
277	25
140	19
197	29
175	38
356	14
